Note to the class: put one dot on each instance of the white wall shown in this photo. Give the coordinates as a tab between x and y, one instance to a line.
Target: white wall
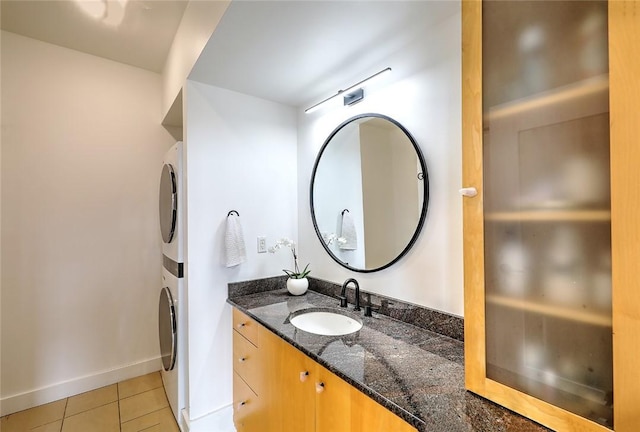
82	149
198	22
241	155
423	93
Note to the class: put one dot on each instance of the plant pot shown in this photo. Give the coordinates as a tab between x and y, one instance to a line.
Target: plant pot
297	286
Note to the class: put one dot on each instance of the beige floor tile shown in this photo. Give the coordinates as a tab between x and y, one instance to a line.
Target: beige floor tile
101	419
139	384
141	404
93	399
161	420
49	427
34	417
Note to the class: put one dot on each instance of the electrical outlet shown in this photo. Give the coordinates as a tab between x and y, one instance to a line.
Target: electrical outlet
262	244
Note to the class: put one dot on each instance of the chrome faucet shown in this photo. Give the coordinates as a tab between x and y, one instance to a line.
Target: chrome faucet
343	294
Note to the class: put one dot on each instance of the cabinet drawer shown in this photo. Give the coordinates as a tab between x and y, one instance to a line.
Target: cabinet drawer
246	326
246	406
246	361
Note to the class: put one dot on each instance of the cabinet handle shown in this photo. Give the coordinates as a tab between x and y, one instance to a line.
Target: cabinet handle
242	359
304	375
319	387
241	404
468	192
241	325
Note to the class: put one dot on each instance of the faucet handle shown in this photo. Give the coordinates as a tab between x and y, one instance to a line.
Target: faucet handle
368	308
343	301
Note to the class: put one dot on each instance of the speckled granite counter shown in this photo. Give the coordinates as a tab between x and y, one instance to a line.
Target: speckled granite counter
416	373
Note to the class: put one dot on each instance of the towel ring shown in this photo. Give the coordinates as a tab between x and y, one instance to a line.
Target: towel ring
233	211
345	210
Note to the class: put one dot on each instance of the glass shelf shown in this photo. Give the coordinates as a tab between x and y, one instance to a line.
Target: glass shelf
585	400
550	216
573	93
566	313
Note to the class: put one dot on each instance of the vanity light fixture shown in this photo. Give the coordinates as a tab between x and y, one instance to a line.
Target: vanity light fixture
352	94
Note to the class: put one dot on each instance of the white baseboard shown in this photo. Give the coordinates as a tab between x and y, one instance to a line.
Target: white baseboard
54	392
220	420
184	420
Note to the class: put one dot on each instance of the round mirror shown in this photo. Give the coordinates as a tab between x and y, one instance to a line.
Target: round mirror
369	193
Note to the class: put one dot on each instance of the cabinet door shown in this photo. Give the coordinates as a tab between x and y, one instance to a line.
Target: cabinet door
289	384
275	394
369	416
296	374
544	281
333	402
341	407
548	253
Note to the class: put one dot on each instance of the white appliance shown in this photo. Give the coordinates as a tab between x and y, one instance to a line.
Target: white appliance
172	341
172	304
171	205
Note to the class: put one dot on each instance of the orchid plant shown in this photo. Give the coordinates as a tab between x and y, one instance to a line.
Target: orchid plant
295	273
330	238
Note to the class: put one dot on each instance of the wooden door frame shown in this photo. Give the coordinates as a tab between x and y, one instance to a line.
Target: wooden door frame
624	59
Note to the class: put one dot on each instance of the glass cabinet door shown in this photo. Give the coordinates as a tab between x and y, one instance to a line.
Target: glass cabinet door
546	202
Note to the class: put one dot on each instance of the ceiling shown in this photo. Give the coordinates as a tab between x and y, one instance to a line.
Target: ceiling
300	52
291	52
134	32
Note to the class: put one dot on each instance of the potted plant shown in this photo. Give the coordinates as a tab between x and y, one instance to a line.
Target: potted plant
297	283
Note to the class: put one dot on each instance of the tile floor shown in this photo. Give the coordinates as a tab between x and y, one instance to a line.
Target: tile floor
135	405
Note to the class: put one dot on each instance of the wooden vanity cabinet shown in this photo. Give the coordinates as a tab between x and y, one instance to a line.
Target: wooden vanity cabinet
563	354
248	374
299	395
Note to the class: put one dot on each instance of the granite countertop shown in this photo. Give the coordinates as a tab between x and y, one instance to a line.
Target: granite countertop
415	373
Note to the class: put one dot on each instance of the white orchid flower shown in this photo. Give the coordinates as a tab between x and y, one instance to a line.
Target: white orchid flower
295	273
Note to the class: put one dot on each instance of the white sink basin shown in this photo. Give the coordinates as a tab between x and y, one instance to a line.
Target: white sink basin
326	323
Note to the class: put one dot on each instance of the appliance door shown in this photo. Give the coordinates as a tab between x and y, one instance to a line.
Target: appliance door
167	329
168	207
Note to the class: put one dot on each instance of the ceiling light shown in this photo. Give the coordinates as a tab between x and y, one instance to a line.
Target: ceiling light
110	12
352	94
115	12
96	9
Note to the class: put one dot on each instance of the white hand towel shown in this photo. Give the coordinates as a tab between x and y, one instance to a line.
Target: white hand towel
348	232
234	242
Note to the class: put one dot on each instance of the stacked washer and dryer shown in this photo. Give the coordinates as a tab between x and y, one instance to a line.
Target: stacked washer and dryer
172	305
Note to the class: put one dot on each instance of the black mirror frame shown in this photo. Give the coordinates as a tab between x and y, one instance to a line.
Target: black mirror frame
425	201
